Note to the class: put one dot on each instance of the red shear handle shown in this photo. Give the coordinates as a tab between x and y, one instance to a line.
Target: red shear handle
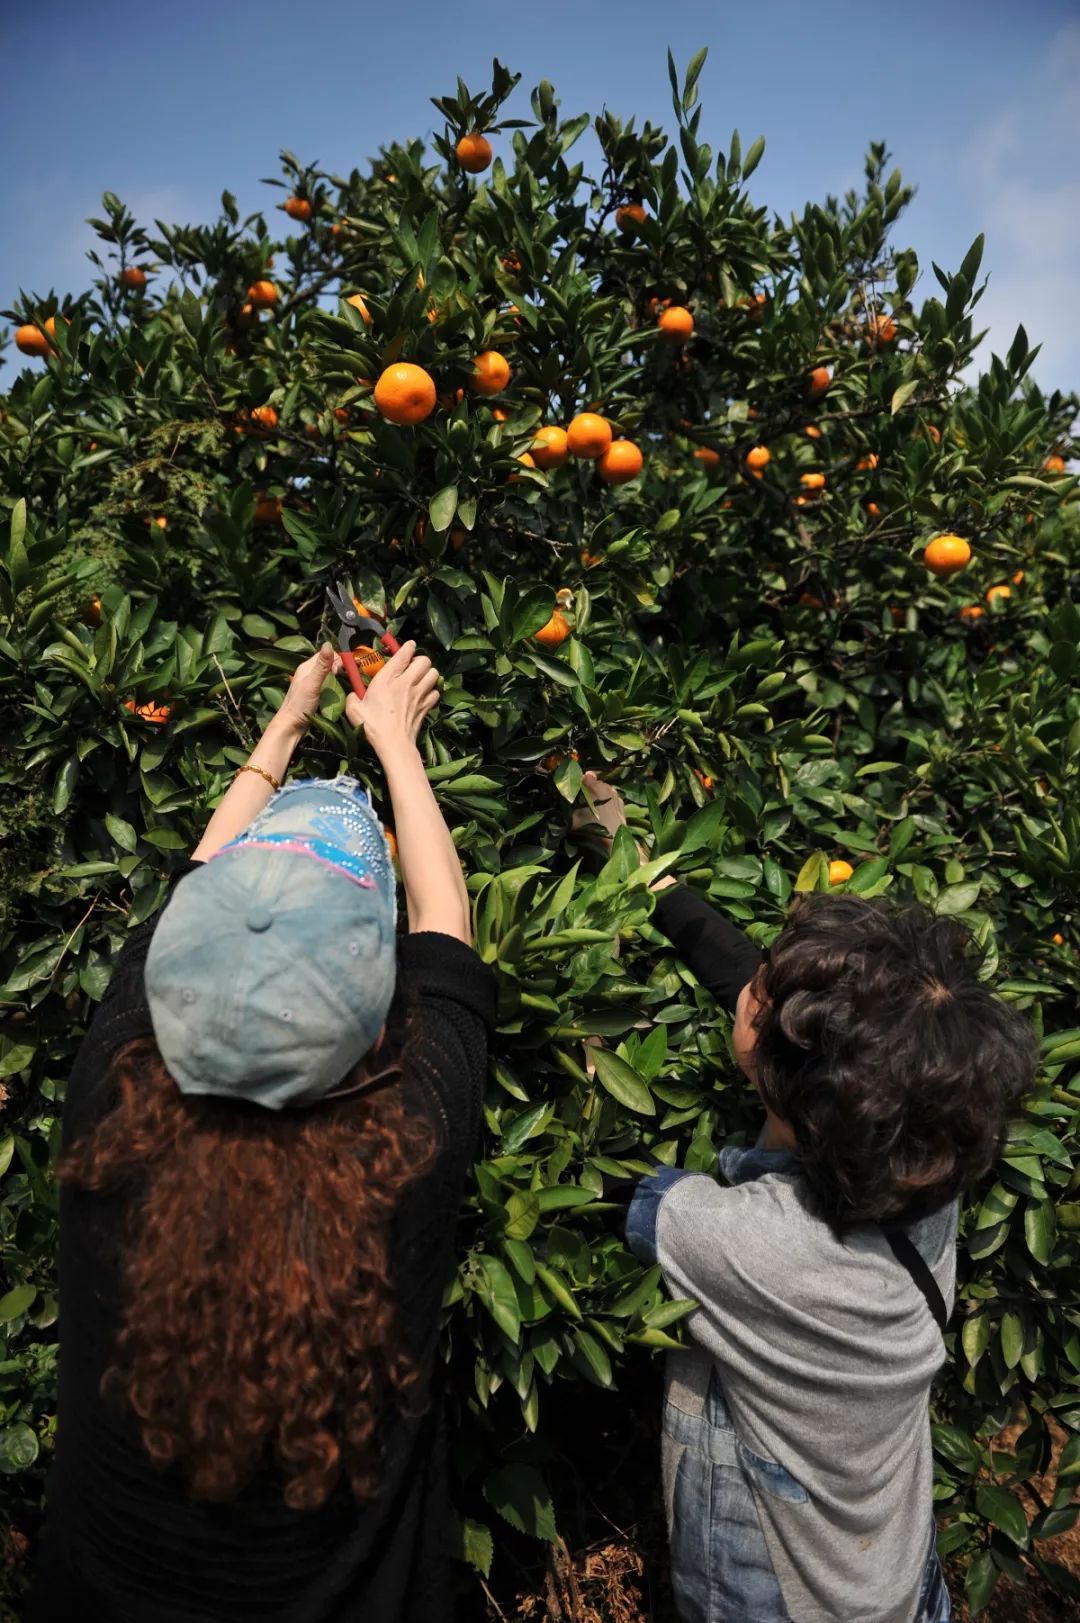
390	642
352	671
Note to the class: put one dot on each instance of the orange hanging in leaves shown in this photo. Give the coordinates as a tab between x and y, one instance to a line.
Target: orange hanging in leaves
629	217
676	324
405	394
550	448
819	381
946	554
589	435
620	462
473	153
262	294
554	632
298	208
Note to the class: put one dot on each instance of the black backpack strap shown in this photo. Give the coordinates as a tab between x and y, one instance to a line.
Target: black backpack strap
908	1254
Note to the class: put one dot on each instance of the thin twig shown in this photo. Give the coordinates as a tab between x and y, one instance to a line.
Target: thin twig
71	937
241	724
492	1602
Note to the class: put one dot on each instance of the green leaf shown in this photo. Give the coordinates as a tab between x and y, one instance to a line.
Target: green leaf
18	1448
519	1494
975	1336
495	1287
1004	1510
956	899
957	1447
442	507
522	1214
122	832
811	873
623	1082
526	1126
981	1581
902	395
16	1302
531	612
477	1546
1040	1227
1012	1339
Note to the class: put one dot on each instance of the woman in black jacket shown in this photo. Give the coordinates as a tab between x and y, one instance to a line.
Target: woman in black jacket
266	1136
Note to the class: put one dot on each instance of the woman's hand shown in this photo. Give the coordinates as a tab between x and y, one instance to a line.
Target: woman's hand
607	811
302	699
397	700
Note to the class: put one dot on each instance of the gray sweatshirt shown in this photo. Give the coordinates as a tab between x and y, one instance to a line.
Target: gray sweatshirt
826	1351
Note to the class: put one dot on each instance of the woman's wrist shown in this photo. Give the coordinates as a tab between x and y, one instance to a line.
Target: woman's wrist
395	750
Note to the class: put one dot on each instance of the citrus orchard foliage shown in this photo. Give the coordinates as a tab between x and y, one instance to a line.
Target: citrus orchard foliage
659	481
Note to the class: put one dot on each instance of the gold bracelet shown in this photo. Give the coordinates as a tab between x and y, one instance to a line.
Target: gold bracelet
261	770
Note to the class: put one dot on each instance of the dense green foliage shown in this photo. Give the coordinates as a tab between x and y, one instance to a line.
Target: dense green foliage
776	682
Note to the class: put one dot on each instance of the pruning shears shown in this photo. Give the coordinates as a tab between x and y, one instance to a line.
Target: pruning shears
354	621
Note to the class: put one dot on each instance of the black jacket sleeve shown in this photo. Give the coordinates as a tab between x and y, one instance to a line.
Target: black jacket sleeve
720	955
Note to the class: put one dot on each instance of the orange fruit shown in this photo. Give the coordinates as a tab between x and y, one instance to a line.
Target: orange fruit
809	600
550	448
873	510
869	461
629	217
800	501
1058	939
753	306
473	153
391	841
527	462
133	278
555	632
819	381
972	611
676	324
812	432
946	554
266	417
591	559
880	330
157	714
268	510
704	779
497	412
262	294
897	614
1054	464
357	302
621	461
32	341
934	433
998	591
709	458
491	372
589	435
812	481
298	208
160	520
405	393
840	871
758	457
92	612
1018	578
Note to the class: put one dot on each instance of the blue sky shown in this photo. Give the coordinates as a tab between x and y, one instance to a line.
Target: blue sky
167	105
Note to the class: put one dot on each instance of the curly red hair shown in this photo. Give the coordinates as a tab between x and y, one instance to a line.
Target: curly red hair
259	1317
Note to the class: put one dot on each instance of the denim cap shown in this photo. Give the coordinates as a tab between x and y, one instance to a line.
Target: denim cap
270	972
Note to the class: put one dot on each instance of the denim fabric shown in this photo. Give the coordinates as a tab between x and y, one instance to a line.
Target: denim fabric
720	1567
934	1603
644	1210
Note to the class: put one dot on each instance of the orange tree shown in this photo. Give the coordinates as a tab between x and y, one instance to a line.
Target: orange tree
653	477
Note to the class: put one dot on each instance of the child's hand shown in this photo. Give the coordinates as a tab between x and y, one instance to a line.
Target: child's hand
607	810
397	700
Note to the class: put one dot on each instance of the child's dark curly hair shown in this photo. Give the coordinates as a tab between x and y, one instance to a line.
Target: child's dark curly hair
894	1064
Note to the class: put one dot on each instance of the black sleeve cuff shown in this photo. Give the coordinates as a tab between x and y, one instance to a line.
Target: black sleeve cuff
720	955
435	965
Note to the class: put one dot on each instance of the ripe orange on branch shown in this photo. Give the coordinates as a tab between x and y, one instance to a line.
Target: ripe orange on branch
473	153
357	302
972	611
555	632
998	591
589	435
946	554
262	294
758	457
132	278
840	871
819	381
491	372
550	448
265	417
708	458
1054	464
268	510
880	330
676	323
621	461
629	216
405	394
812	481
298	208
32	340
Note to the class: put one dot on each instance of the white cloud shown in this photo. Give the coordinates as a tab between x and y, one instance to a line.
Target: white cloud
1021	167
